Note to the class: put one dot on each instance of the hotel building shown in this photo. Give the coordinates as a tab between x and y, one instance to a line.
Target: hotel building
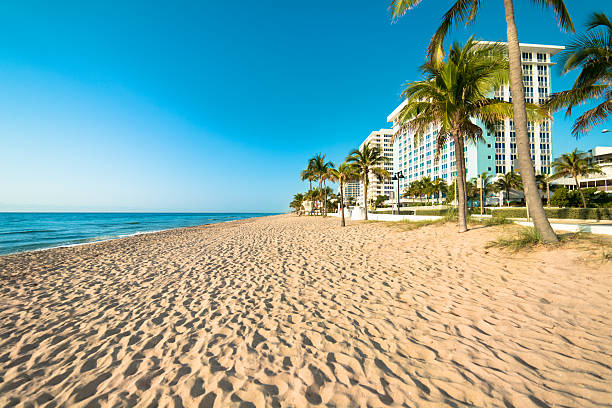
351	190
497	153
381	139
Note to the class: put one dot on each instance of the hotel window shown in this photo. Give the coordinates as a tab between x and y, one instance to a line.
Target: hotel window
542	70
543	82
529	94
543	94
542	57
526	56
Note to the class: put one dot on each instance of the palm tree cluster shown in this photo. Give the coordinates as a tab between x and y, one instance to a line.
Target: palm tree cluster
453	92
466	11
426	187
360	164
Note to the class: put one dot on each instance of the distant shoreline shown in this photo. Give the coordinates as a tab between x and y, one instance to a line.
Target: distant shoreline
112	237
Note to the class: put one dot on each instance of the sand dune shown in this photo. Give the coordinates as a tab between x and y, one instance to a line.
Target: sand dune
294	312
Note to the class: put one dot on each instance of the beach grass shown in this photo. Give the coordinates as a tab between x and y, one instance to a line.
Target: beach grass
524	238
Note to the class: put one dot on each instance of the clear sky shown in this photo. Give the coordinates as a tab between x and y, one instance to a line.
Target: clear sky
212	106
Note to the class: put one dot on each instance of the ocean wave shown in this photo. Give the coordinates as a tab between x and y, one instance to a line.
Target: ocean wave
26	232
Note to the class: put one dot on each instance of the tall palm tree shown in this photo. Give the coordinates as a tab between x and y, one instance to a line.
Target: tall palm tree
454	92
466	10
368	160
343	174
574	164
439	186
592	52
320	169
507	182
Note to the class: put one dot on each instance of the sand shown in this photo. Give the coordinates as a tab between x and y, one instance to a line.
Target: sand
296	311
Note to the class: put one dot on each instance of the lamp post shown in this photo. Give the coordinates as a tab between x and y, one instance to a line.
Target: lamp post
397	176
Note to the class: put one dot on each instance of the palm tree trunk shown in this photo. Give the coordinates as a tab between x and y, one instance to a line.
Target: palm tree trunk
547	193
507	197
342	223
580	191
324	199
461	196
365	195
532	198
310	190
321	195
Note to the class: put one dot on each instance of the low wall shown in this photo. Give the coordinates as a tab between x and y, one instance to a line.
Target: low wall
395	217
592	228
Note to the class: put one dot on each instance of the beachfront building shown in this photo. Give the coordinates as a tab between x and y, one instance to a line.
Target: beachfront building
497	153
381	139
351	190
602	156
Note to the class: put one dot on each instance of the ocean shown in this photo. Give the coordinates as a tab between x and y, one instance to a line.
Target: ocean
31	231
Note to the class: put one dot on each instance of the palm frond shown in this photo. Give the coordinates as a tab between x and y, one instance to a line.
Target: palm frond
462	10
598	19
563	16
592	117
399	7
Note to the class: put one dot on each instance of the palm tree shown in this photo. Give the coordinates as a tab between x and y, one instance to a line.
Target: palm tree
426	187
466	10
320	169
471	191
452	94
544	186
308	174
440	187
368	160
574	164
507	182
296	204
487	185
343	174
592	52
414	189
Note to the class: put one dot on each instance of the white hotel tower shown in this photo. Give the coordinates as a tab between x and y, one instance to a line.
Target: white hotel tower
497	154
381	139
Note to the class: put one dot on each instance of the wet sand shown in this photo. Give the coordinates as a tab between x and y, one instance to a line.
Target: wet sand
296	311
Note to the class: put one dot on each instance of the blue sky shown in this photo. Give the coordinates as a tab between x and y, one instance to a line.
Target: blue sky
212	106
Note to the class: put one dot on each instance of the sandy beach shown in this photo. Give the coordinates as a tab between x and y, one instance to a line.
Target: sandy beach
289	311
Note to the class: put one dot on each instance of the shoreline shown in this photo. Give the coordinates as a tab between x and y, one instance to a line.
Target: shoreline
98	241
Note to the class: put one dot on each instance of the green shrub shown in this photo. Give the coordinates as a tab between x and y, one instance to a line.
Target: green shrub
440	212
560	197
563	213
